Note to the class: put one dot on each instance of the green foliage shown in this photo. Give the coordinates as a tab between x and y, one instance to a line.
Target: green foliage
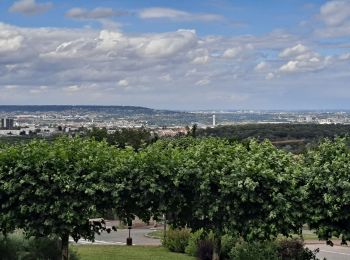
248	189
195	237
328	189
15	246
177	240
293	249
134	137
227	243
54	188
287	249
255	250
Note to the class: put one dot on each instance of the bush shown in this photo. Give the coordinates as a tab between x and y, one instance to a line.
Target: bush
192	247
177	240
293	249
227	243
287	249
8	248
256	251
16	246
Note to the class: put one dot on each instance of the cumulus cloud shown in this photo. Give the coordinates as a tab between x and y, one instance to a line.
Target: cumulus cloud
123	83
10	40
97	13
270	76
171	66
302	59
336	17
261	66
297	50
176	15
168	44
232	52
30	7
335	13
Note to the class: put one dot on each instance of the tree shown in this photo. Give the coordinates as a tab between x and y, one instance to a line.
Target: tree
328	189
249	190
55	188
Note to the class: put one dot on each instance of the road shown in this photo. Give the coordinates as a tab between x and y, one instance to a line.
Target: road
331	253
119	237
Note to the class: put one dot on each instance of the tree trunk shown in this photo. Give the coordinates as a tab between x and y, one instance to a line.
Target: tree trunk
64	247
217	246
164	231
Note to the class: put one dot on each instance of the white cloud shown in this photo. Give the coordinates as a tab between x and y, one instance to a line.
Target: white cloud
72	89
201	60
270	76
11	87
294	51
261	66
39	90
202	82
302	59
232	52
336	17
97	13
164	65
30	7
166	77
176	15
10	40
344	56
335	13
123	83
167	44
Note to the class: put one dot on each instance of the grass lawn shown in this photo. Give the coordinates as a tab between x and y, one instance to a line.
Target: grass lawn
102	252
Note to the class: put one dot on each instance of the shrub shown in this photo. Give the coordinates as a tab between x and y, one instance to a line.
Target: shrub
192	247
205	249
177	240
256	251
293	249
16	246
227	243
8	248
287	249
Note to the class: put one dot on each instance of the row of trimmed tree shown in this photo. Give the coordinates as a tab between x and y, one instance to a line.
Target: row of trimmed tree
250	189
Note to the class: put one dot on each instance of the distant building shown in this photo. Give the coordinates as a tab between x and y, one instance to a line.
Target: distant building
7	123
214	121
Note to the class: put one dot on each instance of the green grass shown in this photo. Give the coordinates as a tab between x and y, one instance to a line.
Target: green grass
101	252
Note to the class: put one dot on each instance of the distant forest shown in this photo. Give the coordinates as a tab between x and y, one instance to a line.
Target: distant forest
293	137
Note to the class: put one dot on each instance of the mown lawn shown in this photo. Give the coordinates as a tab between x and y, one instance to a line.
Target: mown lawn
102	252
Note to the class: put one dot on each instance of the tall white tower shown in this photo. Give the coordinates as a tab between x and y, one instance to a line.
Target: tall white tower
214	121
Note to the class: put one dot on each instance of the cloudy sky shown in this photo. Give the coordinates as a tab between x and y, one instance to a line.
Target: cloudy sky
184	54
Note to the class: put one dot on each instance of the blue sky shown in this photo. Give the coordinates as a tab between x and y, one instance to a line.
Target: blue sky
193	54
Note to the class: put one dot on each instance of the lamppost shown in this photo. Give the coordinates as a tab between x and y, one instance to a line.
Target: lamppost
129	239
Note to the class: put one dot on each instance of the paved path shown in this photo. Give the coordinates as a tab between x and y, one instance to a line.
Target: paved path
119	238
331	253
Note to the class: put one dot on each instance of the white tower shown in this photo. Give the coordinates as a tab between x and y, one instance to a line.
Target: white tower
214	122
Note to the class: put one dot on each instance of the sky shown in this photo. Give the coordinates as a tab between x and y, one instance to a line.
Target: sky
182	55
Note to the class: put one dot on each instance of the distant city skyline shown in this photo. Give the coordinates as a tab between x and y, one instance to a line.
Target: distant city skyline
179	55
